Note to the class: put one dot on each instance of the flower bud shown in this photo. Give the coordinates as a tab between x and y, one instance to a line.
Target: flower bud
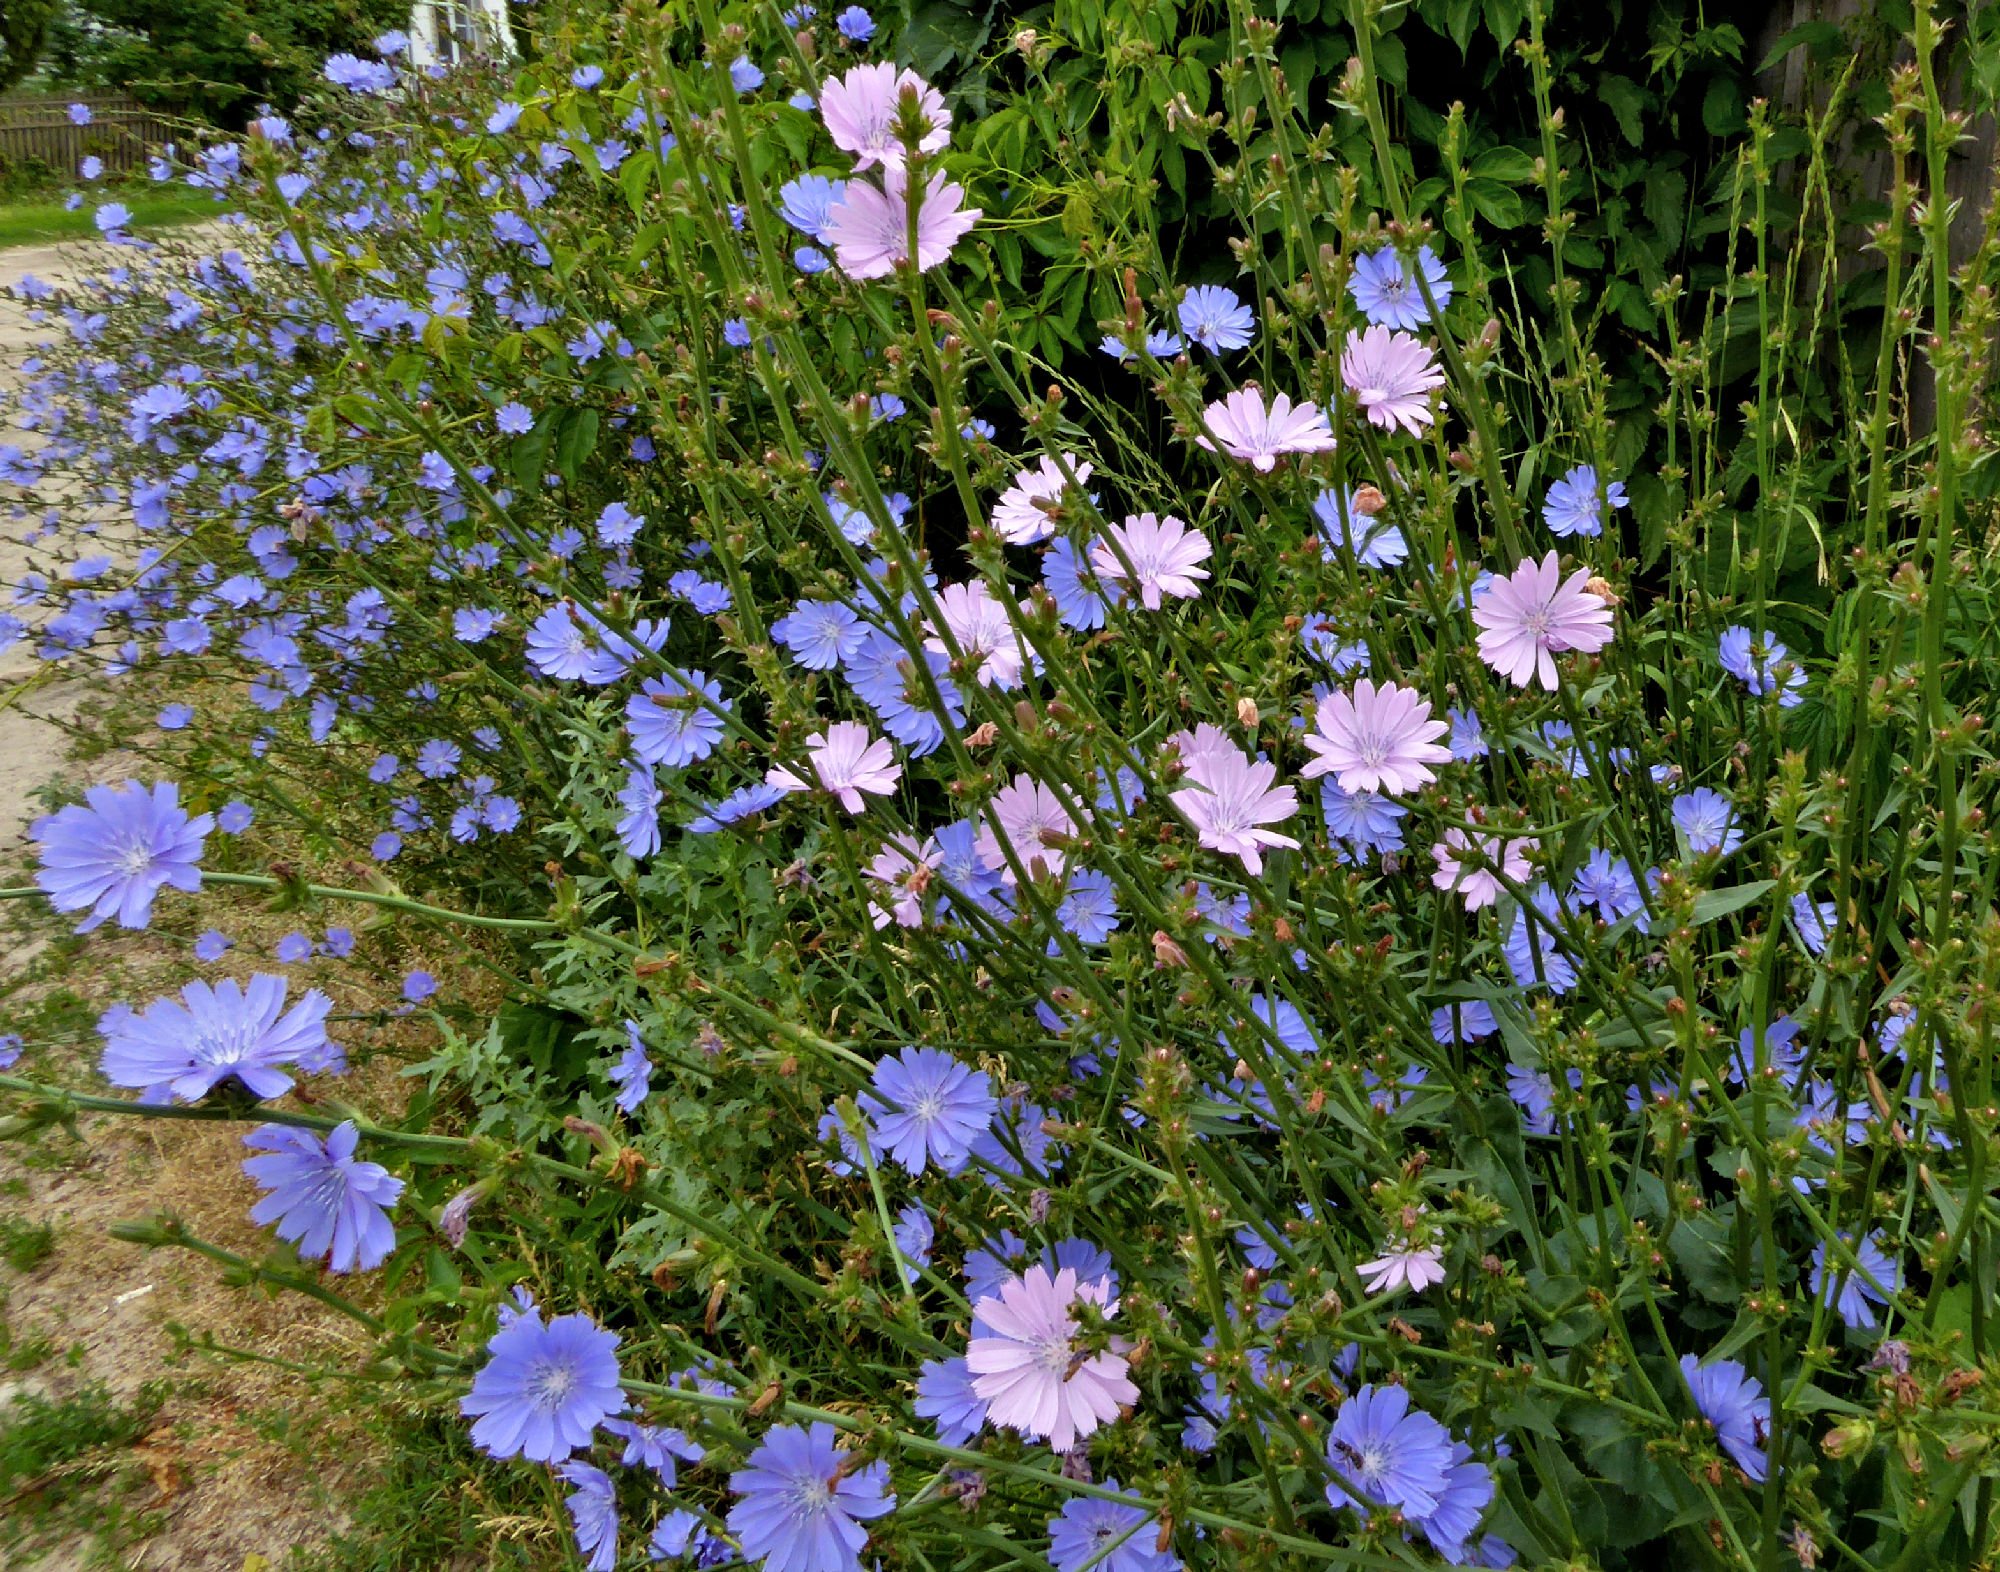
1857	1435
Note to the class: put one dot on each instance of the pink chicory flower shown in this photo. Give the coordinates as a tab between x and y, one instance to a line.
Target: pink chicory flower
1414	1266
1027	1369
1533	615
1376	739
1204	739
847	762
1259	436
1021	517
1164	554
1391	376
1035	823
1228	800
860	111
978	621
905	872
1467	863
869	226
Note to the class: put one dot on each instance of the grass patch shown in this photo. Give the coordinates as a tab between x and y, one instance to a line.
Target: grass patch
63	1464
25	1245
435	1502
43	222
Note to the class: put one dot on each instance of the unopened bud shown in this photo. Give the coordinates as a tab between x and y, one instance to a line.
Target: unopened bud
1857	1435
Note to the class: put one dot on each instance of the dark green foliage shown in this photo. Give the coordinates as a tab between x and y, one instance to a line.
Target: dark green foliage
222	59
24	28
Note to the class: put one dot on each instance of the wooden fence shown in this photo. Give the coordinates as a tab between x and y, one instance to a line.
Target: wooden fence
122	131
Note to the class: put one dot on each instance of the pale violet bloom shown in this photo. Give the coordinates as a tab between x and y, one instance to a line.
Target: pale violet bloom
1026	1366
846	761
1384	287
1534	614
861	109
1392	376
1165	557
1022	516
1246	429
1230	798
1376	738
869	226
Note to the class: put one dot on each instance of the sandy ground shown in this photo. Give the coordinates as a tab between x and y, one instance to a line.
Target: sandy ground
30	748
239	1465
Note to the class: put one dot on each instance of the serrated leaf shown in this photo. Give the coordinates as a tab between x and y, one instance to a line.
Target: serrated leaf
1626	100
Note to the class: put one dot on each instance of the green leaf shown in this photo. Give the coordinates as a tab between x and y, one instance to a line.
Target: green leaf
1664	202
1512	166
1700	1248
1499	205
1460	18
940	33
1816	35
1504	19
1626	100
1722	106
574	446
531	453
635	179
1711	904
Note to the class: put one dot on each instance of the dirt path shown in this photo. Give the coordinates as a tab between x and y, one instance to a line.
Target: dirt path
204	1465
30	748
